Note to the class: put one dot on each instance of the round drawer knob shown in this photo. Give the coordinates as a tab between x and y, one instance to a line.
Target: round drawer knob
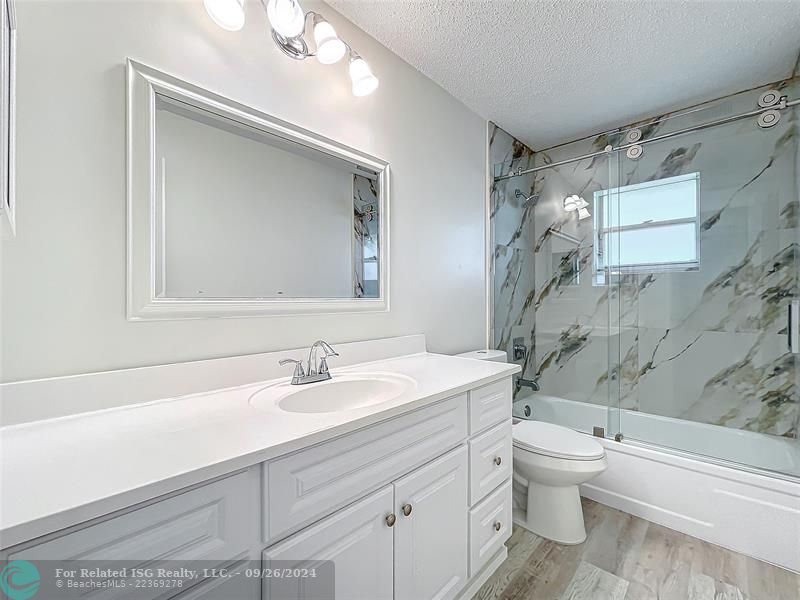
497	460
390	519
498	526
406	509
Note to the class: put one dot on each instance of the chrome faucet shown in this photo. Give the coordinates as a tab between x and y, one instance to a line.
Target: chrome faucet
315	370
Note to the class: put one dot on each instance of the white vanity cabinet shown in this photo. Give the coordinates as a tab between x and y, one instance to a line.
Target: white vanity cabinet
414	507
406	541
443	517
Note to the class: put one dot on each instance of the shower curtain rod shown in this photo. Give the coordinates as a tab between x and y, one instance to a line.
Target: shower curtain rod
609	149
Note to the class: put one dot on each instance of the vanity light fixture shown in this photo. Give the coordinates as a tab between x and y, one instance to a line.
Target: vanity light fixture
288	23
575	202
286	18
228	14
571	203
364	82
330	49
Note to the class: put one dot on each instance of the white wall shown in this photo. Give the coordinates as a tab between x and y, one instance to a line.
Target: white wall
238	211
63	304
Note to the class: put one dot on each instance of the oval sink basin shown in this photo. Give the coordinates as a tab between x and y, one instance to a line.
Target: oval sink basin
342	393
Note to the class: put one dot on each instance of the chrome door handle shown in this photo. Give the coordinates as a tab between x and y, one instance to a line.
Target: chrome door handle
498	526
390	520
406	509
498	460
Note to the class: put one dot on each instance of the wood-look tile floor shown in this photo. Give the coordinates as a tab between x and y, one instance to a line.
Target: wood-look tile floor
627	558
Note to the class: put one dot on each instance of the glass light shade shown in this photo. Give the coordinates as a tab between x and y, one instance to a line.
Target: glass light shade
583	213
330	48
364	82
582	203
228	14
286	17
571	203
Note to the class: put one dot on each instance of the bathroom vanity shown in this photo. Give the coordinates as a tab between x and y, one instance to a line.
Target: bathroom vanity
405	485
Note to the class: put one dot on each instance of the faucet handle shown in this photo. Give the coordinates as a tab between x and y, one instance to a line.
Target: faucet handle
323	364
298	367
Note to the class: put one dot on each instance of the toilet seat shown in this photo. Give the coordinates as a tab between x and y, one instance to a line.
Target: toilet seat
555	441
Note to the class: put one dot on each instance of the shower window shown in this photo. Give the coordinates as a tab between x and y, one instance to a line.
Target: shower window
647	227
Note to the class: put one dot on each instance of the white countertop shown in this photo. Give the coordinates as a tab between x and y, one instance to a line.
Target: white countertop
60	472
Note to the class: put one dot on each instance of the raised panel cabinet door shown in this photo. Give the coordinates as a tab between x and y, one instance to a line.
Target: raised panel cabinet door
357	538
237	582
430	537
307	485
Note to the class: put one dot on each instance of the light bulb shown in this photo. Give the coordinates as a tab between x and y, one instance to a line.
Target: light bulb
228	14
571	203
286	17
364	82
330	48
583	213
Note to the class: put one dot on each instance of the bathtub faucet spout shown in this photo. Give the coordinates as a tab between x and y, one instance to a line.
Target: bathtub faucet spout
528	383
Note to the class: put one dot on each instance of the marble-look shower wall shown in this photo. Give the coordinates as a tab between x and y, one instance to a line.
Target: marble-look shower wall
512	223
707	345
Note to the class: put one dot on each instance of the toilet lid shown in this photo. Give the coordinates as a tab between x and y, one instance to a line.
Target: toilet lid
556	441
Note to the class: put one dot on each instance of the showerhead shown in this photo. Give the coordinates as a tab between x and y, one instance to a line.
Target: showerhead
532	198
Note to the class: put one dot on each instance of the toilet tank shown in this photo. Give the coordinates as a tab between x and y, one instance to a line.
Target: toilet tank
492	355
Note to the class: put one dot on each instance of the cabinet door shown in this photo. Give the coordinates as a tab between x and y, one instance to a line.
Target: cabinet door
235	585
430	537
358	539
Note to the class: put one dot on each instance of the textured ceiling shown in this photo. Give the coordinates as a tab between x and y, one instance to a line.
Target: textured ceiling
553	71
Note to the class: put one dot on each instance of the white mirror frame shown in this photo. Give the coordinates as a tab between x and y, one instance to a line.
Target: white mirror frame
8	58
143	300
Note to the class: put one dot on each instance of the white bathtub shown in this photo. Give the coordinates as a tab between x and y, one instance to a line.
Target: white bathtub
746	448
743	509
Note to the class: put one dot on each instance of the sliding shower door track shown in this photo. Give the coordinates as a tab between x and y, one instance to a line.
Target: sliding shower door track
719	462
664	136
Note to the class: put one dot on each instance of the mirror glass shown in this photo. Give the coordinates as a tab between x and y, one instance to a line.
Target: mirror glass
244	213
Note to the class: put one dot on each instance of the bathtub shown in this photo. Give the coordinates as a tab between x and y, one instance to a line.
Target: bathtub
746	448
743	508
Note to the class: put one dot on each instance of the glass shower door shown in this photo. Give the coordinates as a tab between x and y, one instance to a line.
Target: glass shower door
705	229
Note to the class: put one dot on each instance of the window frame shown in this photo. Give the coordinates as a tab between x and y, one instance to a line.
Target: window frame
601	231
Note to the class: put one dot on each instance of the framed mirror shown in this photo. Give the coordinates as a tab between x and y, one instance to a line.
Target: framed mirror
232	212
8	59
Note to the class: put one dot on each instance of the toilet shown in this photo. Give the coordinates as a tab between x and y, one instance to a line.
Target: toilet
550	462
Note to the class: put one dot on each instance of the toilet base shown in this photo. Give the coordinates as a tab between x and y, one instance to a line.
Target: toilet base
553	512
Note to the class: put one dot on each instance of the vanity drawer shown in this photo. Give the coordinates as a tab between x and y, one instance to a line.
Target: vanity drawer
490	460
311	483
489	405
489	527
212	523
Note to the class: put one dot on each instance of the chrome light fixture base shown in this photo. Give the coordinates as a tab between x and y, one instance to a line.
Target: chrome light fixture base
295	47
289	25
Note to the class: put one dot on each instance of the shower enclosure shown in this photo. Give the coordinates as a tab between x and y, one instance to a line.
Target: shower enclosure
647	279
